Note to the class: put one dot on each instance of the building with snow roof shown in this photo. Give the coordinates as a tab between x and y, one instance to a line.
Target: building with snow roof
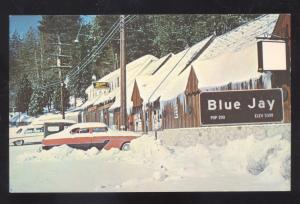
165	93
225	62
104	105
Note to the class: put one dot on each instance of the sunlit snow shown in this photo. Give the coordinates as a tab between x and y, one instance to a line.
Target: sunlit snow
243	164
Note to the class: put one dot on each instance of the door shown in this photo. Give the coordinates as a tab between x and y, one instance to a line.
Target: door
100	137
81	138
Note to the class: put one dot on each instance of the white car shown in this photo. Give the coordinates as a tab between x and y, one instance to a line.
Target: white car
31	134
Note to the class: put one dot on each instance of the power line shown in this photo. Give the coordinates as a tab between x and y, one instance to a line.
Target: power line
92	55
94	50
101	44
106	40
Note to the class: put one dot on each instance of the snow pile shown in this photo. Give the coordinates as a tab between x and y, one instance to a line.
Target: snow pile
20	117
265	159
147	148
59	153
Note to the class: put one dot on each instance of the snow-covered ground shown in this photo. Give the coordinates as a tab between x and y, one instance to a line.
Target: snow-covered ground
249	164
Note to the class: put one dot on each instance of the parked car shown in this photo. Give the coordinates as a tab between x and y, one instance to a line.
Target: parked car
91	134
36	131
31	134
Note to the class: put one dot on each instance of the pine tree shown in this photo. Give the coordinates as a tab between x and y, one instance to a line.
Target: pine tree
66	27
105	60
15	66
82	79
23	94
29	51
36	102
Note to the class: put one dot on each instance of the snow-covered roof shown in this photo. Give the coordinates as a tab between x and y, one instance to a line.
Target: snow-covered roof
60	121
229	67
231	57
146	73
53	117
145	69
89	102
20	117
134	65
241	36
133	69
152	87
88	125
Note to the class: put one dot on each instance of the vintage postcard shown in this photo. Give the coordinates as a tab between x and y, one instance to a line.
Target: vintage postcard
150	103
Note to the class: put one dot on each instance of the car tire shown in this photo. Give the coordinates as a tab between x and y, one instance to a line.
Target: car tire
125	146
19	142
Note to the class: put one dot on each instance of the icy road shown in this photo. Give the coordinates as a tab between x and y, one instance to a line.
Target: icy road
249	164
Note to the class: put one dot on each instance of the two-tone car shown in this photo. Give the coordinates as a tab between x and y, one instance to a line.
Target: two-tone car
90	134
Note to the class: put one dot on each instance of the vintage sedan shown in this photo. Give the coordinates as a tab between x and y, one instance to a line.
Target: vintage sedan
90	134
31	134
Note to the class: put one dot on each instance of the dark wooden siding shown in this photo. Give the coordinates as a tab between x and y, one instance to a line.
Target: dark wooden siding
136	97
282	79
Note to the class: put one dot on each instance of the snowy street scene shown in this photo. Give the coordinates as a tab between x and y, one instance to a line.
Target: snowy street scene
150	103
237	163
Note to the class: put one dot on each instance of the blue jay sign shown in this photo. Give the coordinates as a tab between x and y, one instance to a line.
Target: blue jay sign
242	106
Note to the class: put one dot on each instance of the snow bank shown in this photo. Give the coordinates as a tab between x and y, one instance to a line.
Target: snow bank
264	159
20	117
59	153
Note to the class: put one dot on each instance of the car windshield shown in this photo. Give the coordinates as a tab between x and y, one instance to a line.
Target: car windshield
40	129
29	130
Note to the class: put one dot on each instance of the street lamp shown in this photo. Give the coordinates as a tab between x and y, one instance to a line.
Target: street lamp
94	78
66	81
89	36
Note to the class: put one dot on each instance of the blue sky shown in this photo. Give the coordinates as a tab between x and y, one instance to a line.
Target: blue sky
22	23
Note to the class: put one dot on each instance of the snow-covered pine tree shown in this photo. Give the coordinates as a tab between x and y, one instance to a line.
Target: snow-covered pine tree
30	51
82	79
24	93
36	106
15	67
67	28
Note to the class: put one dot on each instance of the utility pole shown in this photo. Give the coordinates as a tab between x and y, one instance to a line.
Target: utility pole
36	65
41	47
59	66
123	109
